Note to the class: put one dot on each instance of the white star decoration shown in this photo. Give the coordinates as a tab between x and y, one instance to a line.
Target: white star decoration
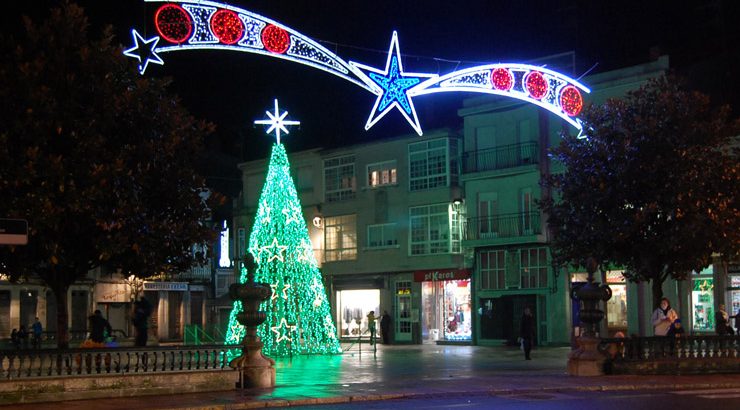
292	214
144	50
274	287
392	86
285	334
305	250
277	253
277	122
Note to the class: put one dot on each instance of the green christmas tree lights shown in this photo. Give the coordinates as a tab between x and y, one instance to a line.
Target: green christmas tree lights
298	316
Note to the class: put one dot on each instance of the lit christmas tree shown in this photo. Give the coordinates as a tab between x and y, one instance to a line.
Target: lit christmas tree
298	316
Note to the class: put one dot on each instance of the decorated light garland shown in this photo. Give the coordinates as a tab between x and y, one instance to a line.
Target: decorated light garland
201	24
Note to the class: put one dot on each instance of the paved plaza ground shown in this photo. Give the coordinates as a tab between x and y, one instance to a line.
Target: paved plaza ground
409	371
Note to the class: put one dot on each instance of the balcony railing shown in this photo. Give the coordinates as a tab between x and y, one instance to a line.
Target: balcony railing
503	226
197	273
507	156
24	364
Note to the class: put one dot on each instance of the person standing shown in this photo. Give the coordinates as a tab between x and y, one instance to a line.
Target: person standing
38	331
526	332
722	321
385	327
98	326
142	310
663	317
23	336
371	325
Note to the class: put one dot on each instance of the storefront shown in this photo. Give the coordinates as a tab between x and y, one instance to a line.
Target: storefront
446	305
616	306
353	306
702	301
733	290
113	300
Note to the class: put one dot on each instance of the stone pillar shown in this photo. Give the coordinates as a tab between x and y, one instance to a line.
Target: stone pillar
15	307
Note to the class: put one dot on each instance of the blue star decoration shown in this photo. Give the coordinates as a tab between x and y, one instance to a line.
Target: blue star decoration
393	87
144	50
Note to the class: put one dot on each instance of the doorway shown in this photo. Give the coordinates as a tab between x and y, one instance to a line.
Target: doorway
500	317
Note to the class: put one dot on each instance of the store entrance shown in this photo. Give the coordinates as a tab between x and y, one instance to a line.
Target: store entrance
353	307
500	317
446	313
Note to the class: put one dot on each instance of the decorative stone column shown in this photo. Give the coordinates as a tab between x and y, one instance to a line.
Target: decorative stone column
586	359
256	369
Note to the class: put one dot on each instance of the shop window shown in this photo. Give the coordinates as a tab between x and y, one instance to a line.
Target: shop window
352	309
616	307
339	178
734	296
533	267
446	310
382	173
702	304
492	269
340	238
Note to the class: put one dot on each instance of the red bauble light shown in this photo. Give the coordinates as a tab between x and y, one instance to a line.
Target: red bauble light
536	85
275	39
571	100
173	23
227	26
502	79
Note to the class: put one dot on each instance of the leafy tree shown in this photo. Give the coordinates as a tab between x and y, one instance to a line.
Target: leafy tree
652	189
98	159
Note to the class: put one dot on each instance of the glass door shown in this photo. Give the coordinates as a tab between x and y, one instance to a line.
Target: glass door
403	311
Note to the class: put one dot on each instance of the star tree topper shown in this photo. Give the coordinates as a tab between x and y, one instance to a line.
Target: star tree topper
277	122
392	86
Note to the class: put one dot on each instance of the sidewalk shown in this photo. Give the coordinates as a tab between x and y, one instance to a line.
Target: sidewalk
404	372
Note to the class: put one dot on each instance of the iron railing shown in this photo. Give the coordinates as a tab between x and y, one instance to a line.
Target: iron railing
23	364
507	156
503	226
695	347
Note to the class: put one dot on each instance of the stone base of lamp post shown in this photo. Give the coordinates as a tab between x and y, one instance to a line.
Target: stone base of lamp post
586	360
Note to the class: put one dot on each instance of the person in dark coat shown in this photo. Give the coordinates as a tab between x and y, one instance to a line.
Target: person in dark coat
23	337
526	332
142	310
98	326
385	327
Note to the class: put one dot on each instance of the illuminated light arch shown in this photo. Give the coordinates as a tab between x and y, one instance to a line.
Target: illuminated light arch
204	24
479	79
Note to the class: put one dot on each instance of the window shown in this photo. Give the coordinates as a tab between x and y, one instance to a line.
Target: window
428	165
533	267
487	215
430	229
340	238
526	204
339	178
381	236
382	173
492	269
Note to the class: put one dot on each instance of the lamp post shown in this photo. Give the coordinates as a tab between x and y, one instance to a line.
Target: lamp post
586	360
255	369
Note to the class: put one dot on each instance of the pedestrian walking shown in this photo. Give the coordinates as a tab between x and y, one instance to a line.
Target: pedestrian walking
663	317
98	327
371	325
142	310
385	327
722	321
38	331
526	332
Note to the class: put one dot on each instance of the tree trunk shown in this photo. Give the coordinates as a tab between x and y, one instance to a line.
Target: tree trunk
657	283
62	316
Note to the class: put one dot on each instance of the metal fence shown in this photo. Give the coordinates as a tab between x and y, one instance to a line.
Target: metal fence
695	347
20	364
507	156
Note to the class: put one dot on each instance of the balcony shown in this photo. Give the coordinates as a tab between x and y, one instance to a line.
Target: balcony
503	226
507	156
202	273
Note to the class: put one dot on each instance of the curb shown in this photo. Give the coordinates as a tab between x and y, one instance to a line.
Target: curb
271	403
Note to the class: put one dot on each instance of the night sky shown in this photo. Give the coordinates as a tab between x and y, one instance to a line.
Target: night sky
233	89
